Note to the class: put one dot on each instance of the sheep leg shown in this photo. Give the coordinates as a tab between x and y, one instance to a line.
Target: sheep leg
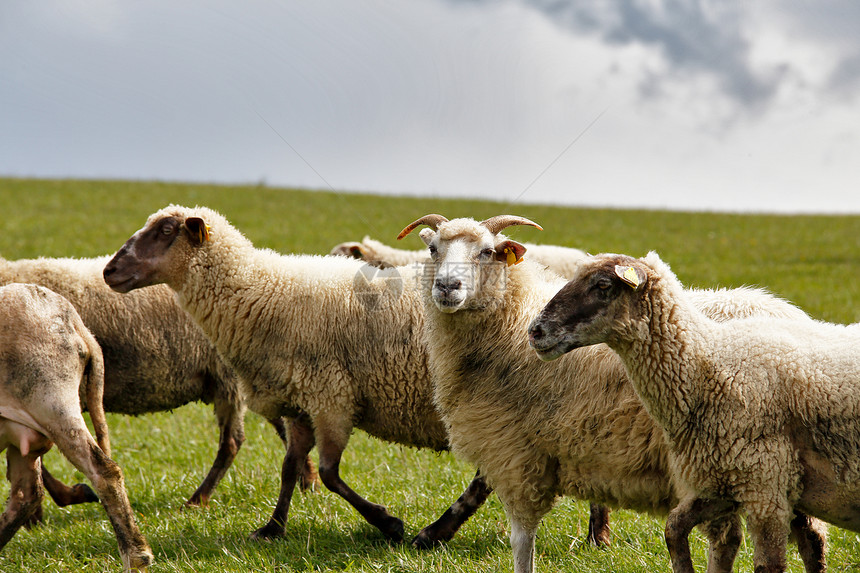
689	513
299	445
36	516
75	442
769	530
331	446
724	537
64	495
25	494
811	537
598	525
523	545
232	435
309	476
444	528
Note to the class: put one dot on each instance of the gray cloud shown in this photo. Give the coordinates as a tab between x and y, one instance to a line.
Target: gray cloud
845	78
714	40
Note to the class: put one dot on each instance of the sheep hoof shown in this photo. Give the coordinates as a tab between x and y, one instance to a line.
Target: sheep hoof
435	534
196	501
425	541
140	562
393	530
269	531
85	492
600	541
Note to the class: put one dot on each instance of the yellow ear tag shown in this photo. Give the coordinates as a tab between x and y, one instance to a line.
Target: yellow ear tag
204	233
628	275
511	257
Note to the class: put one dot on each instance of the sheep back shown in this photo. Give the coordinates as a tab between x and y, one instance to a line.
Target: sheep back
314	334
159	359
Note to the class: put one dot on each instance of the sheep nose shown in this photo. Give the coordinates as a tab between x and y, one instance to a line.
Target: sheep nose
535	332
446	287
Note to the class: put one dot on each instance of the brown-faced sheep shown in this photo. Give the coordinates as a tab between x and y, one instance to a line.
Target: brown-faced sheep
328	341
156	358
761	414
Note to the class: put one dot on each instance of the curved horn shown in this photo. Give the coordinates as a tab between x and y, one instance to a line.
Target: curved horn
499	222
433	221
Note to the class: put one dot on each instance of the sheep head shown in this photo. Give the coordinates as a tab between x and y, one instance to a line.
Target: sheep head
467	257
145	258
351	249
592	307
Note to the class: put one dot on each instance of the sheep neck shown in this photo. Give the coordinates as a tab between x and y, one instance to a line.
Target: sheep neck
666	364
227	278
486	335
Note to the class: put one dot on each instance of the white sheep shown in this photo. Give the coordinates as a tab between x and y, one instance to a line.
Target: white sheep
761	414
156	358
378	253
328	341
562	261
49	364
574	427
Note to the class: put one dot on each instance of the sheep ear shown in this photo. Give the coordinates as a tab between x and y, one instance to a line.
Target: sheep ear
198	230
633	276
427	235
352	250
510	252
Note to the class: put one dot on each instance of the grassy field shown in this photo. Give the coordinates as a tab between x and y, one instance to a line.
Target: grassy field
810	260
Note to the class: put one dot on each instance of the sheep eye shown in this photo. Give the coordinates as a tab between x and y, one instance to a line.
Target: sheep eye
167	229
604	284
487	252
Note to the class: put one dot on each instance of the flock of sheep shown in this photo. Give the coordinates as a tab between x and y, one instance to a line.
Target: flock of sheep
701	405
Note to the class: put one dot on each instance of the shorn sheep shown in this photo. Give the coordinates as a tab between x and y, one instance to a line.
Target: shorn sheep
49	364
156	358
311	338
536	430
561	260
761	415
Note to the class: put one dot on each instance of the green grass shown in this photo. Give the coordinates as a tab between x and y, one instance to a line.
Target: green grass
811	260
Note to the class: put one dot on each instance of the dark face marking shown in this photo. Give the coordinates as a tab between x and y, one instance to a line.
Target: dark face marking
578	302
578	314
158	238
133	265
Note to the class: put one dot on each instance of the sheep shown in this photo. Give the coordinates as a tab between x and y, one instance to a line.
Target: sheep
379	254
561	260
156	359
310	337
49	364
534	430
760	414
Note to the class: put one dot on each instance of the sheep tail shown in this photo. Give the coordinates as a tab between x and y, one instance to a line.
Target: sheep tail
95	381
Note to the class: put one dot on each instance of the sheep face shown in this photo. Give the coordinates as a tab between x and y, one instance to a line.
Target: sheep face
143	260
596	304
468	267
468	258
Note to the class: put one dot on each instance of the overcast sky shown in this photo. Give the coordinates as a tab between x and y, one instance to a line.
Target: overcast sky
683	104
